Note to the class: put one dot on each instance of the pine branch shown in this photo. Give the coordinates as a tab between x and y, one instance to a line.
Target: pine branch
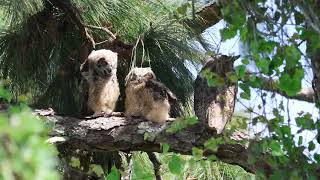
122	134
113	36
75	16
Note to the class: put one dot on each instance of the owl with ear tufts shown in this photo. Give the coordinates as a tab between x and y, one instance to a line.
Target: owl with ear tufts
215	105
146	97
102	79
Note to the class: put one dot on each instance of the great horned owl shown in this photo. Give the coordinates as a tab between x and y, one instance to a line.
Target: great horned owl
147	97
215	105
103	90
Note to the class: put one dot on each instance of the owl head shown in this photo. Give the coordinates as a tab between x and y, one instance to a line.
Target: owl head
102	63
139	75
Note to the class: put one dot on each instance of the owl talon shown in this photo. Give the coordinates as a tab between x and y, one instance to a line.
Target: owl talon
106	115
134	117
117	114
94	116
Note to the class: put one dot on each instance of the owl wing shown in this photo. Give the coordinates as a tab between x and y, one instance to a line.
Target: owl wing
161	92
158	90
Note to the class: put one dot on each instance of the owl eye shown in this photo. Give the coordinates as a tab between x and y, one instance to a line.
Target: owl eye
149	76
102	62
133	77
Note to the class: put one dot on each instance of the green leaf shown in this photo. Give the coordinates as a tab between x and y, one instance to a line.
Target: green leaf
146	136
298	17
263	65
244	95
241	71
97	169
183	9
210	53
180	124
232	77
293	56
212	158
213	79
213	144
254	81
165	147
311	146
276	148
318	138
245	61
275	63
300	140
317	157
246	91
175	165
305	121
277	16
75	162
291	84
114	174
244	34
266	46
228	33
197	153
234	14
5	94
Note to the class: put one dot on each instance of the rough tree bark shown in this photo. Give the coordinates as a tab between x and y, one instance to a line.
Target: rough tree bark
118	133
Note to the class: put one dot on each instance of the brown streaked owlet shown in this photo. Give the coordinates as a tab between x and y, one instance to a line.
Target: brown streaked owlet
147	97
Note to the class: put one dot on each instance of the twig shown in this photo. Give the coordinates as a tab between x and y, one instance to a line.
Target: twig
156	164
102	29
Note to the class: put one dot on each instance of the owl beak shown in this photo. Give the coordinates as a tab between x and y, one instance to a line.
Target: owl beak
140	80
103	71
107	71
137	81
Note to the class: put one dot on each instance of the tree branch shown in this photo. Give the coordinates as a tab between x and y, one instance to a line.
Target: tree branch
305	94
205	17
75	16
156	165
122	134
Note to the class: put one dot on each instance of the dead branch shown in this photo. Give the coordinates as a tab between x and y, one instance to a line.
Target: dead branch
102	29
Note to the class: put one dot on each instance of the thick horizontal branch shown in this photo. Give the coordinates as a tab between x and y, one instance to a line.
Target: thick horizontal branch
117	133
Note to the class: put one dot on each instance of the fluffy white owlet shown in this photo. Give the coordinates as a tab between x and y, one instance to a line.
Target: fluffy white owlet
147	97
103	83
